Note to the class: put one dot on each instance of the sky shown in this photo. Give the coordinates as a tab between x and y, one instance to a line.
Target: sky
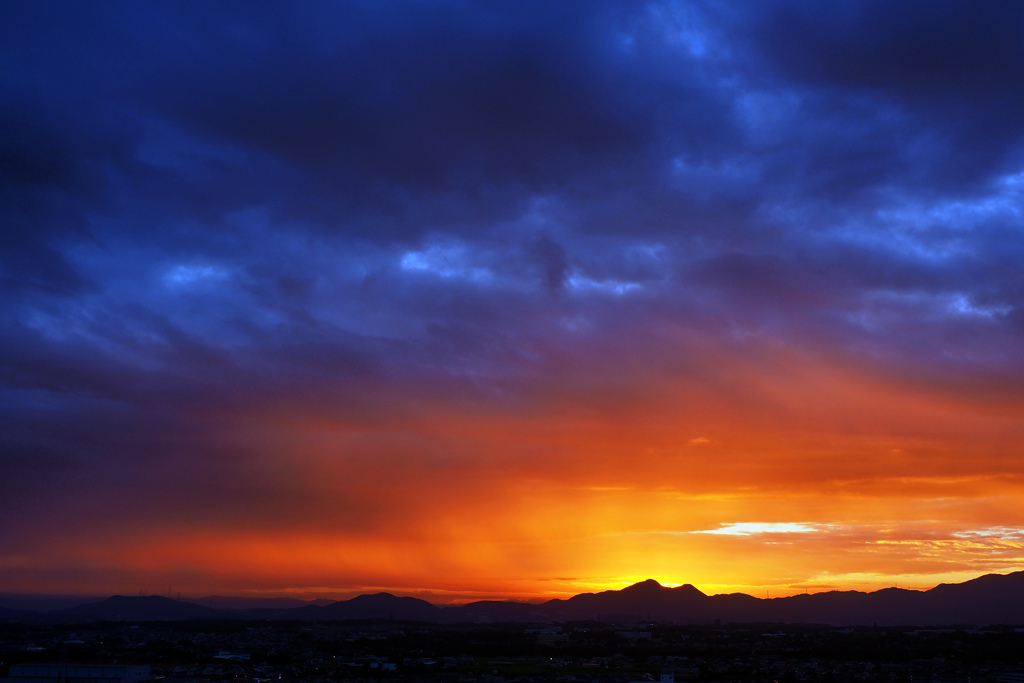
510	299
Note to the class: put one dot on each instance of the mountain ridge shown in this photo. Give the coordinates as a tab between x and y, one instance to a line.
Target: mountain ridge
989	599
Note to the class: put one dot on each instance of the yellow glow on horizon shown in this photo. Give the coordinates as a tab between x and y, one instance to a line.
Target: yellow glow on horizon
796	489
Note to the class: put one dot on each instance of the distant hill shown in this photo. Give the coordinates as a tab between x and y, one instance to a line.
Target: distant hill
226	602
378	606
991	599
139	608
43	603
16	614
496	612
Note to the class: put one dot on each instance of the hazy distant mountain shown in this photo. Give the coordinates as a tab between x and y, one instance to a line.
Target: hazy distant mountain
378	606
43	603
140	608
645	600
227	602
992	599
496	612
8	613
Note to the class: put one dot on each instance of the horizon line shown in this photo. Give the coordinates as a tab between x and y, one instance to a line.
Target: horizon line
419	593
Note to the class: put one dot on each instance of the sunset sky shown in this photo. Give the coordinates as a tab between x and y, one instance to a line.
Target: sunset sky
510	299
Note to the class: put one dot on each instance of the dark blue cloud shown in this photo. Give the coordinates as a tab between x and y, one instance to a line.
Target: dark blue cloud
211	207
953	68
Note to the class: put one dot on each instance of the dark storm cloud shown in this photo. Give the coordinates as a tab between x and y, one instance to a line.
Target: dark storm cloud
956	66
434	116
359	208
916	51
51	168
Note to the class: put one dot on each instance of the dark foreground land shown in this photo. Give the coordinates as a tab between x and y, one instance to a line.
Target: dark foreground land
380	651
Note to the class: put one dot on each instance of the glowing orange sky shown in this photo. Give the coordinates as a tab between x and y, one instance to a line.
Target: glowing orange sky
813	476
477	299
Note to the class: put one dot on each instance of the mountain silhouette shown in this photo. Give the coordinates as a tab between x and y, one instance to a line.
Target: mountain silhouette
229	602
8	613
991	599
140	608
377	606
